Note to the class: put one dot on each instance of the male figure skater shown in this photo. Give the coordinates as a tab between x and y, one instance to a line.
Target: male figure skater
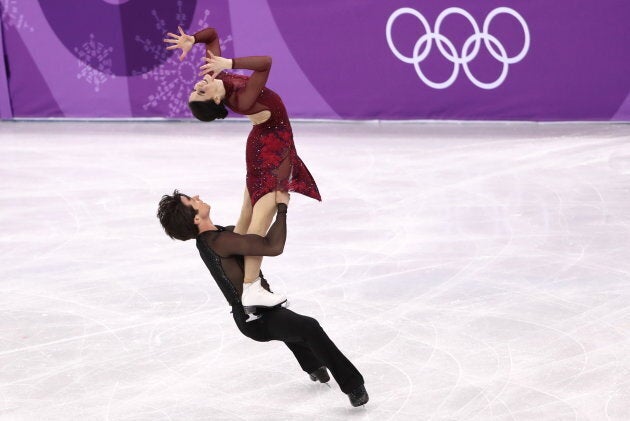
184	218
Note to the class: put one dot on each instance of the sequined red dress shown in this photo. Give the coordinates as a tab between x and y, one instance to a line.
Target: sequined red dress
271	157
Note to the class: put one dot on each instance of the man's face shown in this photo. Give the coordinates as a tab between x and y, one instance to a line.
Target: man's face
201	207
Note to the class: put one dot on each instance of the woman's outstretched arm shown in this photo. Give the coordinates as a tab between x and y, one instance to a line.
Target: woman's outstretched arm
261	65
210	37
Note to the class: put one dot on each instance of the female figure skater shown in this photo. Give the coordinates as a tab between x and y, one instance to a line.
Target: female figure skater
272	161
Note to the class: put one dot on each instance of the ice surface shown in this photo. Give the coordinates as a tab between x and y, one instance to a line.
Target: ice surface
471	272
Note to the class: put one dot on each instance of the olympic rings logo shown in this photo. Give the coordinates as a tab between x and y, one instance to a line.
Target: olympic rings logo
469	51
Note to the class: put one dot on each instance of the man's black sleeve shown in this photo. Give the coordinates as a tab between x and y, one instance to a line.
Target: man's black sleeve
254	245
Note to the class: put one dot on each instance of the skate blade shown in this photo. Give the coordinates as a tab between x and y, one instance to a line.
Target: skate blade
252	317
254	309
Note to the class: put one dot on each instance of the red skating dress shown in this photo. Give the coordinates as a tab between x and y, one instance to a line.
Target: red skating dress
271	157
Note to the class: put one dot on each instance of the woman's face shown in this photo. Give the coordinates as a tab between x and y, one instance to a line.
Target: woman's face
204	90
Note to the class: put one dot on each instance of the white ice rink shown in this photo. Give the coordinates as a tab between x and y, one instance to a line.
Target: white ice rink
470	271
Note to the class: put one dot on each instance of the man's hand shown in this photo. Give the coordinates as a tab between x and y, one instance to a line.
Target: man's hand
282	197
214	65
183	41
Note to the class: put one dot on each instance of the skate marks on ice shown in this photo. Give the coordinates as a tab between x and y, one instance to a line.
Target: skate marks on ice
470	271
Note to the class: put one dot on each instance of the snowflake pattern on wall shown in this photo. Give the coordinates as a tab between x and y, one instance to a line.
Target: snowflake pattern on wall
12	16
174	79
95	63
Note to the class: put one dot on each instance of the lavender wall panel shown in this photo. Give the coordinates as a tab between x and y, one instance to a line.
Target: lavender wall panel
398	59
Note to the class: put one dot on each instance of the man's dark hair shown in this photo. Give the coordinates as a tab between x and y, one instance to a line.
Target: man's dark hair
207	110
177	219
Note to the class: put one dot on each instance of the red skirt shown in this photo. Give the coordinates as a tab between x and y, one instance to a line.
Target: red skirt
273	164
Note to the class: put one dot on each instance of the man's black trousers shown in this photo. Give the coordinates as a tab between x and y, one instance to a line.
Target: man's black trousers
305	338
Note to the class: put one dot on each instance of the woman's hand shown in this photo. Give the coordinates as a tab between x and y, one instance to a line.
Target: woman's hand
214	65
183	41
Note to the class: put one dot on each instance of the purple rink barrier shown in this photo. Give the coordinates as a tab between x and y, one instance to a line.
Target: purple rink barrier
368	59
5	103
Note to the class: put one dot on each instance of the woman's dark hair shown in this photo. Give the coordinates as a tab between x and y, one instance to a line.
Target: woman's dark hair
207	110
177	219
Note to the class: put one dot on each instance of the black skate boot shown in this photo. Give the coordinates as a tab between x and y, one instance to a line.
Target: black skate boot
320	374
358	396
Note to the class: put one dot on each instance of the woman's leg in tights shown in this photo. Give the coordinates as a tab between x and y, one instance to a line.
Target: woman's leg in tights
263	212
246	214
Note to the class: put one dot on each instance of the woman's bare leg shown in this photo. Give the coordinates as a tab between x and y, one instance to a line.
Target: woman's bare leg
263	212
245	219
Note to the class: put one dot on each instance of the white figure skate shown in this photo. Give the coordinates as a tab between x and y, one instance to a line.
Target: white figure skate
255	297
